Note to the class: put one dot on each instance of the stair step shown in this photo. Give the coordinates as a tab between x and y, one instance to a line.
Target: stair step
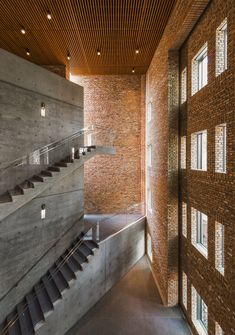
91	245
43	299
79	260
37	179
85	250
27	184
61	164
51	288
13	324
54	168
72	263
26	324
59	280
6	197
47	173
79	252
65	270
35	310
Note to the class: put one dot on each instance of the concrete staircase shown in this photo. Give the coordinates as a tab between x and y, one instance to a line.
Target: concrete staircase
31	313
32	187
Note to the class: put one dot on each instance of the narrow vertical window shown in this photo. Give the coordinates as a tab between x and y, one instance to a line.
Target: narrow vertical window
149	247
185	289
219	247
149	112
222	48
200	70
184	219
149	155
220	148
199	313
183	152
200	231
149	198
184	85
199	151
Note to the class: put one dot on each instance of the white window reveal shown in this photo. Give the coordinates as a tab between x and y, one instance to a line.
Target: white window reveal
183	91
218	329
149	247
220	148
183	152
184	289
149	155
200	231
222	48
200	70
199	313
199	150
219	247
149	111
184	219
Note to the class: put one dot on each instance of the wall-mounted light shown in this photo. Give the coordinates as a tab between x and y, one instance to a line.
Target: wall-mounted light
27	52
49	15
43	212
43	109
68	56
22	30
137	51
73	153
133	70
98	52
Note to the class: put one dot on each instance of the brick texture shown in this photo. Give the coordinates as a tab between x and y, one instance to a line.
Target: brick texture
115	103
60	69
207	191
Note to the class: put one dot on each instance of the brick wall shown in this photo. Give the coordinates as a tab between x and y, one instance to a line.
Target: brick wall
115	103
207	191
60	69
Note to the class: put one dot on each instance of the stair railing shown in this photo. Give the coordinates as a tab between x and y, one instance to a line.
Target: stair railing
17	171
128	215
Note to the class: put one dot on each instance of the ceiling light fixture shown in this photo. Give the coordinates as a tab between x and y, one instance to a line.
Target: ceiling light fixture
27	52
137	51
98	52
133	70
23	31
68	56
49	15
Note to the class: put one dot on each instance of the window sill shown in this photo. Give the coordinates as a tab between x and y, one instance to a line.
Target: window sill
200	329
194	169
201	249
220	270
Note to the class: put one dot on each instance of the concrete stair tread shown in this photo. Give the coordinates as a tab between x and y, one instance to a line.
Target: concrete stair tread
26	324
43	299
59	280
5	198
35	311
91	245
85	250
66	272
77	258
70	265
51	289
73	264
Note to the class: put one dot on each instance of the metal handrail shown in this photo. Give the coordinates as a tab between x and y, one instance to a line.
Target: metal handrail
59	266
46	148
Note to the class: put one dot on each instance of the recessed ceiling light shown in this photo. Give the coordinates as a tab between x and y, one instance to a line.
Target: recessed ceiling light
137	50
98	52
68	56
27	52
23	31
133	70
49	15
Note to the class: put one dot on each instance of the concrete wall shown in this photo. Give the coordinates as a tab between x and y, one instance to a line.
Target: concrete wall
24	237
115	257
114	103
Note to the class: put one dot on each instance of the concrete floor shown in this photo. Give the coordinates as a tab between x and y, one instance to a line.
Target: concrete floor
132	307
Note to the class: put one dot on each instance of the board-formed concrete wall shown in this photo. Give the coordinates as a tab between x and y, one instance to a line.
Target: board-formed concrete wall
25	239
114	258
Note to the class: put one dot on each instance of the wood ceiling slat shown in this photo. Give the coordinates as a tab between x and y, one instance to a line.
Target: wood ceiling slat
80	27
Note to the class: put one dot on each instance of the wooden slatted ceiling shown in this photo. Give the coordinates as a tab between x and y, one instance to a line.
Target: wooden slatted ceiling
116	27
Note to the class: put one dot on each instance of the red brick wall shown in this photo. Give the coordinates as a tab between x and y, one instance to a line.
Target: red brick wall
209	192
114	103
162	88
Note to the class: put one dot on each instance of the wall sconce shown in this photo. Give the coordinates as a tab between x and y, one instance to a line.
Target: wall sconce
43	211
43	109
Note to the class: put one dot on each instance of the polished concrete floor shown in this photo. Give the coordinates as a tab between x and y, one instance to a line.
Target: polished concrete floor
132	307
